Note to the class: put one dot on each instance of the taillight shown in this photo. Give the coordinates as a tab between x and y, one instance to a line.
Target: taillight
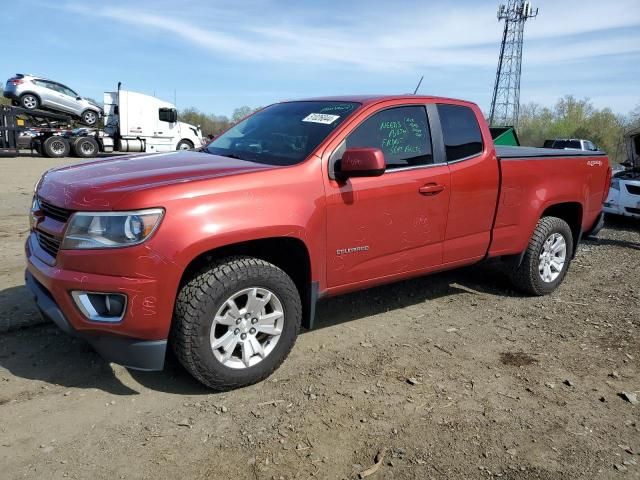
16	81
607	185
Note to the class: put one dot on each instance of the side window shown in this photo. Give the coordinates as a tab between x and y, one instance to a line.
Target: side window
167	115
68	91
402	133
461	132
49	85
57	87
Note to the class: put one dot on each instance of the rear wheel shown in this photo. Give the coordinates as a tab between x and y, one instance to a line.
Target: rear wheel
56	147
89	118
85	147
235	322
546	259
29	101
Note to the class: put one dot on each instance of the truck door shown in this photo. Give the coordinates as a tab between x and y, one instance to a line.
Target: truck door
474	183
395	223
167	130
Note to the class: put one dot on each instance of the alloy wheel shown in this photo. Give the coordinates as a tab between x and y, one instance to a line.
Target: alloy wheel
552	257
247	327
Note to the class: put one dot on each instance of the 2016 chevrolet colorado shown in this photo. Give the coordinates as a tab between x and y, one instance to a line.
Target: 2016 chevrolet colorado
224	252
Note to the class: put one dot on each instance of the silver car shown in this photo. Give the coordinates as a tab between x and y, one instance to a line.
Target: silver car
32	92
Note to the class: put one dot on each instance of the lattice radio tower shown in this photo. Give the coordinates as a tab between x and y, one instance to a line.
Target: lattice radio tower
505	104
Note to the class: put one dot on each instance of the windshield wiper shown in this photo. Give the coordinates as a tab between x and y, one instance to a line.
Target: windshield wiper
228	155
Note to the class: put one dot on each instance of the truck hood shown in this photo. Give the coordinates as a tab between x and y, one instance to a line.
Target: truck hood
99	185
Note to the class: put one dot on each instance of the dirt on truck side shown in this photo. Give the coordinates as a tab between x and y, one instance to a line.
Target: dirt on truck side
449	376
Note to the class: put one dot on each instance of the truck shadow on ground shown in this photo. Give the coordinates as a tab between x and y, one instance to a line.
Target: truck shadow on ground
46	354
619	224
623	224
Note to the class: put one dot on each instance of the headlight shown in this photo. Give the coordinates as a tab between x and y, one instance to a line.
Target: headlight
110	229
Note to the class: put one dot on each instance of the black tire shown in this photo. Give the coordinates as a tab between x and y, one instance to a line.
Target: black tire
527	277
29	101
196	307
90	118
184	145
85	147
56	147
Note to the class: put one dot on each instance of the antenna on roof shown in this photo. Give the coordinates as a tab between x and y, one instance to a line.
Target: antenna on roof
418	86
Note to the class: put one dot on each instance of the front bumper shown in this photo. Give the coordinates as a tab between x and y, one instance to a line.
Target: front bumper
132	353
139	339
617	209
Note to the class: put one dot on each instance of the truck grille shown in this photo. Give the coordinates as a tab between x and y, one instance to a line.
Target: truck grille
57	213
633	189
633	210
48	243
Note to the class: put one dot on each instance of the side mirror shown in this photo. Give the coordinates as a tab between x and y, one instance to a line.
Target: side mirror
360	162
78	98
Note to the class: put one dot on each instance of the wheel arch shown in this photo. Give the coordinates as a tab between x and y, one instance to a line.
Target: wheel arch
287	253
29	92
570	212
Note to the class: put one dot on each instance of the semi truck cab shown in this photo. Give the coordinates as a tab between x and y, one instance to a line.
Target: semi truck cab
141	123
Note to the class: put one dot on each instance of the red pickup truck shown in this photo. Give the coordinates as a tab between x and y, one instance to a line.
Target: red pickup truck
224	252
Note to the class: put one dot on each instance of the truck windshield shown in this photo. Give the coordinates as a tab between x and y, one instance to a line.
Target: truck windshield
282	134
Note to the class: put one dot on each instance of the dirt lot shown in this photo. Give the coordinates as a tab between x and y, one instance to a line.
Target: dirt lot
453	376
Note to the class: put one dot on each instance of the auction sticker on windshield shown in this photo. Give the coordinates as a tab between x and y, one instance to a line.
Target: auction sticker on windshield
321	118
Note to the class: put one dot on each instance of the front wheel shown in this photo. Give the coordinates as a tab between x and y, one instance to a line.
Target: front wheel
235	322
547	258
89	118
184	145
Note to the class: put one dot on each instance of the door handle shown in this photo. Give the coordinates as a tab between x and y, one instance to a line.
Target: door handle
431	189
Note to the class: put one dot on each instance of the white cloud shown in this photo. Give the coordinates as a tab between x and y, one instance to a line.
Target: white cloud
369	36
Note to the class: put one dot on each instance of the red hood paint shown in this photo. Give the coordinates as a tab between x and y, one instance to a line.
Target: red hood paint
99	185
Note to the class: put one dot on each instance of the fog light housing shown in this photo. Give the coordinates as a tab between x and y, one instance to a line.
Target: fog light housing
101	307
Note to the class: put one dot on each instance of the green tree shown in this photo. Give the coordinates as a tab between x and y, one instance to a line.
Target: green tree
575	118
241	112
209	123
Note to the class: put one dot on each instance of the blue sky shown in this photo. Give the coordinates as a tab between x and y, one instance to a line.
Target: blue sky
221	55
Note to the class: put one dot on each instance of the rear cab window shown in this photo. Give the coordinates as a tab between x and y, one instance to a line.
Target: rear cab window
402	133
461	132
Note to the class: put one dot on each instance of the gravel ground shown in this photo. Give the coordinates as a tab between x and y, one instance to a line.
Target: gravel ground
449	376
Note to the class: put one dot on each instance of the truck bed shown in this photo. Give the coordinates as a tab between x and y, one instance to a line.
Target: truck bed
529	152
532	179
